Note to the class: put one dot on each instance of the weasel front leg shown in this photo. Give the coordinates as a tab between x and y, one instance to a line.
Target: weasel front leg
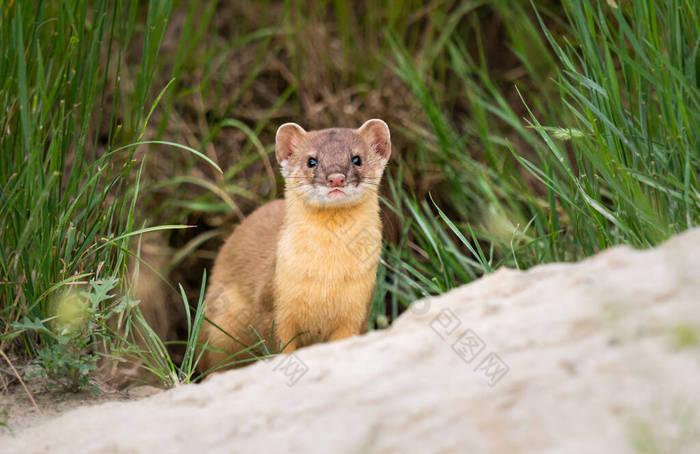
343	331
287	336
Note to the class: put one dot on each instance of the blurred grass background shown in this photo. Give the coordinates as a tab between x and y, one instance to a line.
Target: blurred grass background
522	134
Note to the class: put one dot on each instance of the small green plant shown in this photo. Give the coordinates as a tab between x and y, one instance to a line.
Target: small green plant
64	365
685	335
81	319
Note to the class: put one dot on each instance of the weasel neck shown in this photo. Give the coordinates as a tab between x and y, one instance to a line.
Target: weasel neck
329	245
364	211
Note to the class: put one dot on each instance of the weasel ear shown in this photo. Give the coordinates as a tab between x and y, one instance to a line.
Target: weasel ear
376	133
286	141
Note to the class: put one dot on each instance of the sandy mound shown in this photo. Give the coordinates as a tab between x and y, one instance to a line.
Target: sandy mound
600	356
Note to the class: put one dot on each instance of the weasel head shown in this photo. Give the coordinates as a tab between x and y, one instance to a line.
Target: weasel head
333	167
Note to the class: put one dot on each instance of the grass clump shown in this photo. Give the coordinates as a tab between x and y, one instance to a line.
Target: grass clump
66	217
630	90
611	149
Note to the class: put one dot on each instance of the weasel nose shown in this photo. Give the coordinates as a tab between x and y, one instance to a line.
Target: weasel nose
336	179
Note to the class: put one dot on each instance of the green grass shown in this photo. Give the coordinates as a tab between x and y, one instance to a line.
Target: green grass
521	136
69	131
616	152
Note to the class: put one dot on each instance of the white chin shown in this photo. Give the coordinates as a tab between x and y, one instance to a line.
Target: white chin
327	197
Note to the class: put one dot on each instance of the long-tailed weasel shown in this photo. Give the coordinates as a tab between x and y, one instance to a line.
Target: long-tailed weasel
303	270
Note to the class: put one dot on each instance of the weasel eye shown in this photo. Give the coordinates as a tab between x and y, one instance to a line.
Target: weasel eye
356	160
312	162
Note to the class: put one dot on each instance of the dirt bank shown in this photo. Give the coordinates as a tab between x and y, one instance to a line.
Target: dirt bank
600	356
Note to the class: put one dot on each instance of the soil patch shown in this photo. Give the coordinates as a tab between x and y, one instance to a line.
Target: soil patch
18	412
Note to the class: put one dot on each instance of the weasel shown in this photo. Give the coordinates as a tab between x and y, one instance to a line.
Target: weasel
302	270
